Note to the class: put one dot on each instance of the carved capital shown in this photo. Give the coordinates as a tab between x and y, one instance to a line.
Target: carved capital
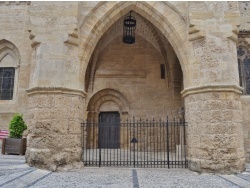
55	90
211	88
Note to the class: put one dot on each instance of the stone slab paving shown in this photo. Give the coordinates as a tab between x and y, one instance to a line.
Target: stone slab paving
15	173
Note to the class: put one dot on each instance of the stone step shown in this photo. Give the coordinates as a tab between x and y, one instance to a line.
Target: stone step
10	175
245	176
12	167
27	179
17	157
236	180
9	158
11	161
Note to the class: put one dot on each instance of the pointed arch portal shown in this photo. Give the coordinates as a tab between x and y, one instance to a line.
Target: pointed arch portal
105	14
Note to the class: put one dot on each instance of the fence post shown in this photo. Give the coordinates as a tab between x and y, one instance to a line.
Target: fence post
167	143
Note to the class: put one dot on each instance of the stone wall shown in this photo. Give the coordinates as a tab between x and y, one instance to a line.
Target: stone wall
14	31
245	102
244	7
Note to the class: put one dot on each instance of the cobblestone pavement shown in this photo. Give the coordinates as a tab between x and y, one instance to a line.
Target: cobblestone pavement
15	173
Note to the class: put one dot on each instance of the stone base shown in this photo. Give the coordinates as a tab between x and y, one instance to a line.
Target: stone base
60	161
217	167
214	132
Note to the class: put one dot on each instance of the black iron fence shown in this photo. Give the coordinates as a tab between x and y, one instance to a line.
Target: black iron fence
137	143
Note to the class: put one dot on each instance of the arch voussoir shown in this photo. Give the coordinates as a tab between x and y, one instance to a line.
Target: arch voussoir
107	95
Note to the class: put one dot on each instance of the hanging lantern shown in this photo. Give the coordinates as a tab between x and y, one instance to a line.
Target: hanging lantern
129	26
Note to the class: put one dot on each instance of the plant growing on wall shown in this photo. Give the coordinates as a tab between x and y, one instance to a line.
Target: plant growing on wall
17	126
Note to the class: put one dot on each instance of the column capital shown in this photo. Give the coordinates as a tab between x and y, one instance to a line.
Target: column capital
55	90
211	88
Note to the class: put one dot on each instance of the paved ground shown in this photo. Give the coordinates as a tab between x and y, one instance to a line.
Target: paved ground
15	173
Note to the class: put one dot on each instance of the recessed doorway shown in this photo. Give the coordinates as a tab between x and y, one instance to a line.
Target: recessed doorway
109	130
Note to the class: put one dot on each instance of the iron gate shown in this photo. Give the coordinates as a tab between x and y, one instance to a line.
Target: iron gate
148	143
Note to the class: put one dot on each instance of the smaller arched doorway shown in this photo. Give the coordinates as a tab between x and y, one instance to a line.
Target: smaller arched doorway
107	100
106	109
110	139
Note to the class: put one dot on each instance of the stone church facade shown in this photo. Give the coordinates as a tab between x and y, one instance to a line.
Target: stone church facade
64	62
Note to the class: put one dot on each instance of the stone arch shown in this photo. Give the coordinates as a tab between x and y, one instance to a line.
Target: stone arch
10	62
8	48
108	95
172	26
145	30
245	47
242	42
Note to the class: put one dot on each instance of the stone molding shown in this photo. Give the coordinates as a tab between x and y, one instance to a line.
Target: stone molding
72	38
120	74
195	33
34	43
212	88
55	90
16	2
198	21
233	35
108	95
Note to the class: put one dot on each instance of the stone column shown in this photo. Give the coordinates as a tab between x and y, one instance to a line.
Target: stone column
55	110
54	139
212	92
56	94
214	133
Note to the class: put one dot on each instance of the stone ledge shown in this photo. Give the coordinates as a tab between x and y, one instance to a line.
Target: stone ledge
212	88
55	90
120	74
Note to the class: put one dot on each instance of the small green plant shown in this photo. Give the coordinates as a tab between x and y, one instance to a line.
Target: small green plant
17	126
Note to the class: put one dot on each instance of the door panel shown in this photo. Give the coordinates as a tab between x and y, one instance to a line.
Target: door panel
109	130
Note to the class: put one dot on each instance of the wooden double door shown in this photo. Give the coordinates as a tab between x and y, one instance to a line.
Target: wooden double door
109	130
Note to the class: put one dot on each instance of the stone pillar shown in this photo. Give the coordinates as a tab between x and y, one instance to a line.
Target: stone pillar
56	94
54	135
212	91
214	133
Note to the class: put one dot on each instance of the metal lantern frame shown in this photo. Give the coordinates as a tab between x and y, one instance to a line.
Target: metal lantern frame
129	26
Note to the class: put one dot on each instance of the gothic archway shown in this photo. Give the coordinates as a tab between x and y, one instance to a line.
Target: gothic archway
105	14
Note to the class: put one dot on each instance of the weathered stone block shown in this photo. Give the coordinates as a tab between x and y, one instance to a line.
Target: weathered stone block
212	166
42	113
75	126
194	164
59	113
